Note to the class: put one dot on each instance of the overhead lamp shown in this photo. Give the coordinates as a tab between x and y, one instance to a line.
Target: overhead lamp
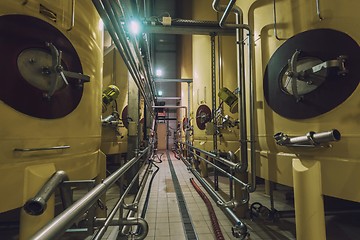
134	27
160	93
158	72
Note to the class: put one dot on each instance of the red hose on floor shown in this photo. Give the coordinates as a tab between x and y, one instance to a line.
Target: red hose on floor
213	218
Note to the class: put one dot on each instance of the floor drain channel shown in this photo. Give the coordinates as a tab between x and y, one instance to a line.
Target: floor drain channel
188	226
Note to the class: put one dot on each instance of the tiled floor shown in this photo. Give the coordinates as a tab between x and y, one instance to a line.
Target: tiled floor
164	218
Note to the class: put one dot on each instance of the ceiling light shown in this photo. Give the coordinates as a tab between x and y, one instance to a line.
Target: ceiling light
158	72
134	27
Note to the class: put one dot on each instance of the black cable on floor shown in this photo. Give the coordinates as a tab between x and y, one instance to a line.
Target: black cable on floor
146	202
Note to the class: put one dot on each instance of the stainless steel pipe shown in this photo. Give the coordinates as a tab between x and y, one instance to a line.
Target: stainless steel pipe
241	83
109	220
310	139
63	221
235	166
240	229
37	205
136	200
107	12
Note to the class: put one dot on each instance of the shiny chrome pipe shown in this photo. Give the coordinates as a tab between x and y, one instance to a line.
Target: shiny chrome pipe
136	200
237	167
241	84
109	220
240	229
37	205
311	139
63	221
107	10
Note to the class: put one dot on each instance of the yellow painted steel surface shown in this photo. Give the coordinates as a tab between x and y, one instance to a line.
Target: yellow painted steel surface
340	164
225	77
113	140
35	177
309	205
80	129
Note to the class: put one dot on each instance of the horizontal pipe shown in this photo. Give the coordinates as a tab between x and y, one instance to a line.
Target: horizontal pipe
235	166
140	222
58	225
225	172
37	205
239	225
310	139
137	198
41	149
109	219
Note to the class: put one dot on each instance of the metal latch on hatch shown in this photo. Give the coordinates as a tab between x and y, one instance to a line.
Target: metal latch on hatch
308	74
58	73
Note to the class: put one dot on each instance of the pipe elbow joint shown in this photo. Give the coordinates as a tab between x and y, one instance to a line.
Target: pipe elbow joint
35	206
241	167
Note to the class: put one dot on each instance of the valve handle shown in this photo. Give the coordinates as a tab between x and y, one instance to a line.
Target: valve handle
57	70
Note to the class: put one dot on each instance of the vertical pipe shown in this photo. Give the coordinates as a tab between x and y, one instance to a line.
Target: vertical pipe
309	206
213	97
188	122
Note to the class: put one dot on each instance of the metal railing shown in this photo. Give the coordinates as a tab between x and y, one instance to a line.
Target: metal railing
231	176
67	218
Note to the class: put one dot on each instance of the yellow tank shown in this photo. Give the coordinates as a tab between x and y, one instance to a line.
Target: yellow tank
38	116
340	163
114	138
202	95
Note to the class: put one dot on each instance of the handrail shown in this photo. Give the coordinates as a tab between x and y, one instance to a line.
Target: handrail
217	167
41	149
235	166
63	221
240	229
115	209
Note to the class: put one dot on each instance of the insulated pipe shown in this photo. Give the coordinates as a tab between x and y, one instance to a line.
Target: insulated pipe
240	229
64	220
239	25
37	205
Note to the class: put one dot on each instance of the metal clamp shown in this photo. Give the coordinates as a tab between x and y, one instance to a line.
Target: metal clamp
294	75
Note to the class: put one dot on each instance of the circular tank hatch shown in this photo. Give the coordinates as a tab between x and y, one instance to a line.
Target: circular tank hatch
28	76
312	73
203	116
